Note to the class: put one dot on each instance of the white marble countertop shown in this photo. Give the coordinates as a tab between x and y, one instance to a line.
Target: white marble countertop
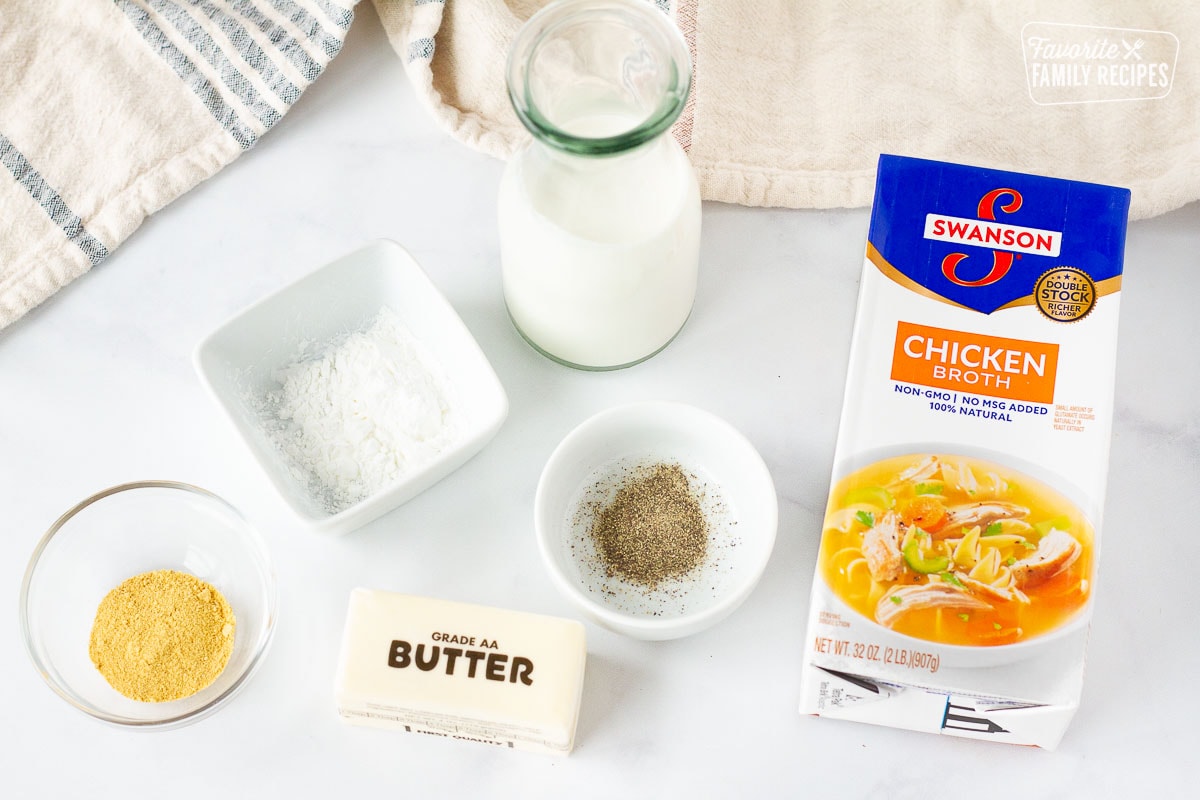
97	388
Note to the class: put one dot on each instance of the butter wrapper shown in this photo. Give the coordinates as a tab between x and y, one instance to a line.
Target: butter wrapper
461	671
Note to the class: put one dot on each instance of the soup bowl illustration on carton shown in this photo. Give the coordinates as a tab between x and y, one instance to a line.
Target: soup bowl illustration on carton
985	561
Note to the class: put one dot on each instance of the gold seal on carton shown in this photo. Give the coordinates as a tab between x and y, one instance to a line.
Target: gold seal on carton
1065	294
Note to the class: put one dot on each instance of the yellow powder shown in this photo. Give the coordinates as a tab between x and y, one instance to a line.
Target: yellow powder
161	636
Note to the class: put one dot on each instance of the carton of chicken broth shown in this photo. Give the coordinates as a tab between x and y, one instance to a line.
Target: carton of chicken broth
958	552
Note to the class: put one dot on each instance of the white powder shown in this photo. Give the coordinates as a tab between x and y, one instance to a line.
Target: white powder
361	413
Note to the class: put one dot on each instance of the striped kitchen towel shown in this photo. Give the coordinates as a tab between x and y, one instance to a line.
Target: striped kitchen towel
792	102
110	109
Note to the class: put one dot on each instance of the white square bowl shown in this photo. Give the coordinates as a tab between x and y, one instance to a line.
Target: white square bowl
236	363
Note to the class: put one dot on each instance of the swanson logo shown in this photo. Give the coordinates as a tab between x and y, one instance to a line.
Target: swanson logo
986	231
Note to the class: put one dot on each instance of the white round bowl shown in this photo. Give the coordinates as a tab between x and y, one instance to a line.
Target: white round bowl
122	532
738	500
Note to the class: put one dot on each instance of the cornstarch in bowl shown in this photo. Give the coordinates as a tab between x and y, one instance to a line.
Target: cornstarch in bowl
351	416
355	388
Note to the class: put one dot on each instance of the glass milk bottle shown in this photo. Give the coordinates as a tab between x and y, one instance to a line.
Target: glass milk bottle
599	215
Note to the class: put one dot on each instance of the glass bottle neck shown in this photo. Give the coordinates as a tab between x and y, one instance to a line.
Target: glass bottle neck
575	161
598	77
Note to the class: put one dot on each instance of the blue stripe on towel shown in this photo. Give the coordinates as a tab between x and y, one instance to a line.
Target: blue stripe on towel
291	49
250	52
51	202
332	45
342	17
420	48
198	37
188	73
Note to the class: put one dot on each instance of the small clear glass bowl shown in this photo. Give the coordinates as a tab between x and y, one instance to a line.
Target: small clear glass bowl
122	532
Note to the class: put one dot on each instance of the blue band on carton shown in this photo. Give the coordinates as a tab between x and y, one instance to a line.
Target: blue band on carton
981	238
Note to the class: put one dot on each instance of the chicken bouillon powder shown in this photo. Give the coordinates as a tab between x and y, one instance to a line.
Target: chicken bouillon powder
162	636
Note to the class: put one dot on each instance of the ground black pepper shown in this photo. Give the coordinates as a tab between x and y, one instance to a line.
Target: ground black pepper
653	529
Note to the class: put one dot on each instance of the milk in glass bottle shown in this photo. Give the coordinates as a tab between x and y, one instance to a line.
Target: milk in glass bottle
599	215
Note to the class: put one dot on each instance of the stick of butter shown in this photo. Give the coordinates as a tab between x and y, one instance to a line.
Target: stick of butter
461	671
